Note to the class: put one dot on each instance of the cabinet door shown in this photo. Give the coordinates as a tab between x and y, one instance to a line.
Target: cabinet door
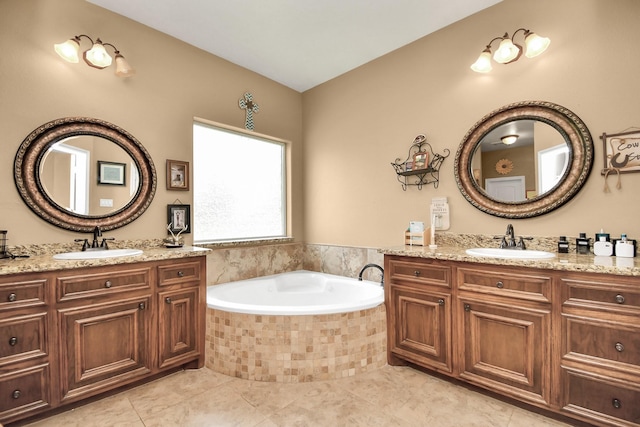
422	328
506	348
179	325
104	346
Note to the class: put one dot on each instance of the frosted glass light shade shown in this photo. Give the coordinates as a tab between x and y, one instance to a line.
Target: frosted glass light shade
123	69
68	50
507	52
97	56
535	44
509	139
483	63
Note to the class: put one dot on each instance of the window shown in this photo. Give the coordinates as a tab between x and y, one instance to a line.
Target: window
239	185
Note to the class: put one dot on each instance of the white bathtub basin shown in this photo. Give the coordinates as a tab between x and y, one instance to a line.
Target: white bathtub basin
509	253
111	253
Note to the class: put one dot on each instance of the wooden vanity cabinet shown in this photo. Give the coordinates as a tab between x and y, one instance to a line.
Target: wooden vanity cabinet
600	348
504	328
85	331
26	343
180	321
419	313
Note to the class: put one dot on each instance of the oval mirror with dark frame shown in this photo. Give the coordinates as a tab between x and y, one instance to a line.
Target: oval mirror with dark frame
79	172
524	159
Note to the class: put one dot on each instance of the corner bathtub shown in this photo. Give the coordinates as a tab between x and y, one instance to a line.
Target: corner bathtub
295	327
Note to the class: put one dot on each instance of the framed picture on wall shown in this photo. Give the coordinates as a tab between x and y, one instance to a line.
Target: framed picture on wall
179	218
177	175
110	173
420	160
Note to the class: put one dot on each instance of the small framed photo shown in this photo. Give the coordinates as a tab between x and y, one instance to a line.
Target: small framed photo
420	160
179	218
110	173
177	175
408	166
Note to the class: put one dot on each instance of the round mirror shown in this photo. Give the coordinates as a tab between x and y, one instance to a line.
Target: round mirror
524	159
78	173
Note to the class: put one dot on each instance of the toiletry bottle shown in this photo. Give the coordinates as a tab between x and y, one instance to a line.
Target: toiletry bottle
582	244
625	248
563	245
602	247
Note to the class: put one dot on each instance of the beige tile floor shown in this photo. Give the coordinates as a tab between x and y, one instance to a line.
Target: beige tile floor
389	396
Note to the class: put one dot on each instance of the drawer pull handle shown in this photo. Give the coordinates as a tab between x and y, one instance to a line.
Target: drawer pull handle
619	347
180	273
12	297
13	341
167	300
441	301
616	403
16	394
499	285
620	299
141	306
467	307
107	284
416	273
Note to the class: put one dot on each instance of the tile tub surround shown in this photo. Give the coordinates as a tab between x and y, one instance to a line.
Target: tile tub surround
296	348
228	263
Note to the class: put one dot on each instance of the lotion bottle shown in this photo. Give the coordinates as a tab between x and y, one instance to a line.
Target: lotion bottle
625	248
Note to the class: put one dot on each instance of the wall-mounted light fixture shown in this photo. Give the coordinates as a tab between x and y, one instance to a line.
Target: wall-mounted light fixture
509	139
508	51
96	57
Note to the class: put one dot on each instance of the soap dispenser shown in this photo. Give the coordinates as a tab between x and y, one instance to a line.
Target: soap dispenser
602	247
625	248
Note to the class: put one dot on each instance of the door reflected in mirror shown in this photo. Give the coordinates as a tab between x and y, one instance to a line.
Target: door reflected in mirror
69	176
520	170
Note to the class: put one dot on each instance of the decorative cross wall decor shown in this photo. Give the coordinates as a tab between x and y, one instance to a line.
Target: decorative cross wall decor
250	107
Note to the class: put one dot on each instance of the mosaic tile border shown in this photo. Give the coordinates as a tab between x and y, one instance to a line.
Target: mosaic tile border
296	348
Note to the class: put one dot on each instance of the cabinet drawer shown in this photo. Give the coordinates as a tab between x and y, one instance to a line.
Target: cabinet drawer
615	294
178	273
588	338
605	400
419	271
23	337
88	284
23	391
27	293
501	282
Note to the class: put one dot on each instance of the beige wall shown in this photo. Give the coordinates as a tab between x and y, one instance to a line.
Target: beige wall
357	124
175	82
354	126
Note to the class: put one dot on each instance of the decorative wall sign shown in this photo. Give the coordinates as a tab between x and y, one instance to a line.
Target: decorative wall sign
621	152
250	107
504	166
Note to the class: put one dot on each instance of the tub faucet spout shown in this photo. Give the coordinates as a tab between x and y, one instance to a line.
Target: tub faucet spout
372	266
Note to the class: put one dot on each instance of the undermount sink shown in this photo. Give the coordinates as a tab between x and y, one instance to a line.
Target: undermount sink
510	253
110	253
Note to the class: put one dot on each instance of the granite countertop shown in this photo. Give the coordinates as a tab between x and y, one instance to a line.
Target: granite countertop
46	262
563	262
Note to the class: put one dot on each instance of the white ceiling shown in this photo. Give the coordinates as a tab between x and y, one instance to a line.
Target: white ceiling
299	43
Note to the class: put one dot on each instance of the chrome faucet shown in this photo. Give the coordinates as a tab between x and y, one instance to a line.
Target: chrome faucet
374	266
